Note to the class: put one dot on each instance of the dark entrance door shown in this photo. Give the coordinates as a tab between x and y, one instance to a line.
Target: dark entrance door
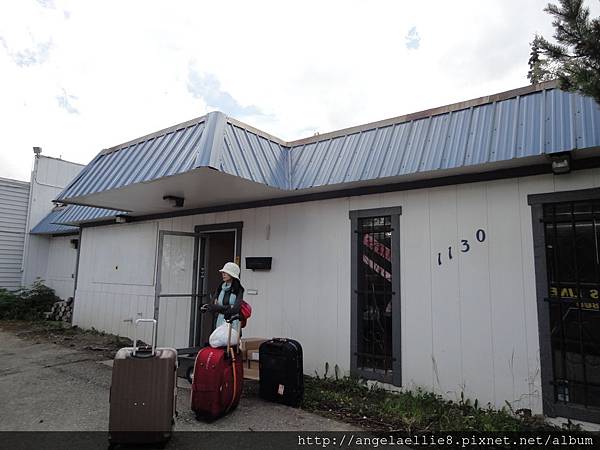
216	248
572	235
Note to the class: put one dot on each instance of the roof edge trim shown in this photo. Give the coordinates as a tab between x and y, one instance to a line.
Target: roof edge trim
264	134
147	137
552	84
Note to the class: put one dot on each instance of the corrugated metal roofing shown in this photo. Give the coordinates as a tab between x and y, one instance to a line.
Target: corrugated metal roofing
249	155
158	156
57	221
212	141
75	214
527	122
542	122
48	226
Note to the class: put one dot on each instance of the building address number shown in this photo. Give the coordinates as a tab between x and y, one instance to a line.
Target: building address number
465	247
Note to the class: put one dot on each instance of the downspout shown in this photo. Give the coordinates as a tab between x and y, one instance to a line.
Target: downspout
76	275
28	221
77	265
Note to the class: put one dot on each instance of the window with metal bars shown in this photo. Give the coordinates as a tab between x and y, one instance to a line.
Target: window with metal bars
375	352
572	234
375	294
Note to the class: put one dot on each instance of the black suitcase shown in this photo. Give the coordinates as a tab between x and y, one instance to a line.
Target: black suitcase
281	375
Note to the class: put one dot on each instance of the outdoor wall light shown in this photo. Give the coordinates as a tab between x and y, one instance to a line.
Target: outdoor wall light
561	163
74	243
176	202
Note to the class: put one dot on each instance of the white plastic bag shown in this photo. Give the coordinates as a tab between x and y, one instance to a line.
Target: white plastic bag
218	338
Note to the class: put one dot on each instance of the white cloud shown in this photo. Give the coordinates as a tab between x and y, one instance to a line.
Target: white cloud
290	68
65	101
412	39
207	87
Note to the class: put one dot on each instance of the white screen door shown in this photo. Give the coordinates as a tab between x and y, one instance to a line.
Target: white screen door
176	284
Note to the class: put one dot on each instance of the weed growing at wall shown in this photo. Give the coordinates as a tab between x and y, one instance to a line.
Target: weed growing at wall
27	304
417	411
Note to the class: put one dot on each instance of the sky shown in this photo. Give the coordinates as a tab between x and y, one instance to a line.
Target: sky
80	76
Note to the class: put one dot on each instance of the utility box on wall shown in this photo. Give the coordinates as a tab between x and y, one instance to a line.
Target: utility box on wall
258	263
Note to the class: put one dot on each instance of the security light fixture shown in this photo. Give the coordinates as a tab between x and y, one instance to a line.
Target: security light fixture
561	163
37	150
176	202
74	243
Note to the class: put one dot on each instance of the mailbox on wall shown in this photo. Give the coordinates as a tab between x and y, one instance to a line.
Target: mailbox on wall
258	263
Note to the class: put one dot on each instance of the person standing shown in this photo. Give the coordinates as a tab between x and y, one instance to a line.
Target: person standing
227	300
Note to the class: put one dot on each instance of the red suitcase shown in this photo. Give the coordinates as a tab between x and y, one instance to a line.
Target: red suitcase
217	381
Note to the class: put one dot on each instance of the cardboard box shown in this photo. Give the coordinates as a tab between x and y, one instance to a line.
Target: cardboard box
249	345
252	343
251	374
250	355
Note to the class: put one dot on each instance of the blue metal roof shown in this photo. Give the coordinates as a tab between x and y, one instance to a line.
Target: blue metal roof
61	219
159	155
538	123
74	214
211	141
47	225
253	156
526	122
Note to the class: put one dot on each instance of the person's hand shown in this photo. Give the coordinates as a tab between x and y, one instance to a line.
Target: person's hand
205	308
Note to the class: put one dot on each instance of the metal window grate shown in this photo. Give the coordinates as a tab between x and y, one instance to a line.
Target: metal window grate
374	294
572	232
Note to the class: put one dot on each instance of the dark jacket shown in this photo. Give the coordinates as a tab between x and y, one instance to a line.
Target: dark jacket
227	309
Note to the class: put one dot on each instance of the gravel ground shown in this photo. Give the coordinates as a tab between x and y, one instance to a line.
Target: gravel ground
45	386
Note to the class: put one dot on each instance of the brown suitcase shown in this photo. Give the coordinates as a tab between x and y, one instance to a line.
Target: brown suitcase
143	393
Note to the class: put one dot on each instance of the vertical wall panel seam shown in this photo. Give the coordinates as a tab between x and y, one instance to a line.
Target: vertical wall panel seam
490	302
433	375
518	181
460	321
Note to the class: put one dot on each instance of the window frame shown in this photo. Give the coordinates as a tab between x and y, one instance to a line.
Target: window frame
395	377
550	407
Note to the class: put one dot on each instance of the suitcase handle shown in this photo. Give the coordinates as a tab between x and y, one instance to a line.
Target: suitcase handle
230	322
137	322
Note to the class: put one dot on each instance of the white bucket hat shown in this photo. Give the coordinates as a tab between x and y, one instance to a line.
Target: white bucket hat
232	269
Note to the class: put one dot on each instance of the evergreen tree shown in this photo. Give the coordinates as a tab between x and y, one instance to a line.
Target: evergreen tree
575	57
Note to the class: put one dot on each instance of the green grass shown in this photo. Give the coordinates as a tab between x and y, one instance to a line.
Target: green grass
415	411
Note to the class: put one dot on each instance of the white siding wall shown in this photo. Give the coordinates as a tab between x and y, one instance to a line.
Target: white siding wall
60	274
48	179
14	199
468	325
106	252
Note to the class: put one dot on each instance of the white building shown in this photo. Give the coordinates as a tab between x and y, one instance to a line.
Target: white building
14	201
27	238
454	249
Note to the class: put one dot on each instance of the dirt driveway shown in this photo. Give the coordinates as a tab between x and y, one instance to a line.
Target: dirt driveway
44	386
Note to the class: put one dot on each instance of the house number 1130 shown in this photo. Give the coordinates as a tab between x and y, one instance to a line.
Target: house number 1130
465	246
